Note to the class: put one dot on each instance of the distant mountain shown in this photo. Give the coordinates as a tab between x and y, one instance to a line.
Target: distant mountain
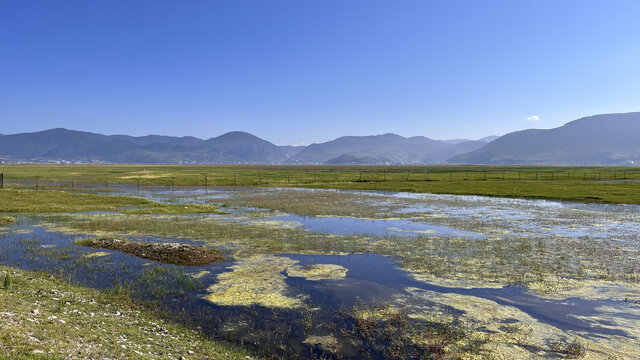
387	148
291	150
242	147
600	139
595	140
456	141
69	145
488	139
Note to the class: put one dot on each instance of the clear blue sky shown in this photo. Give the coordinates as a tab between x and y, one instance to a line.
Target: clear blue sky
308	71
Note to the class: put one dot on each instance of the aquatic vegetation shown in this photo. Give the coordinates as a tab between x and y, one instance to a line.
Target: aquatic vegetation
257	280
170	253
317	272
6	220
387	331
97	254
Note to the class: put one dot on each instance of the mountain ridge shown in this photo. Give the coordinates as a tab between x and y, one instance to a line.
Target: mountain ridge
604	139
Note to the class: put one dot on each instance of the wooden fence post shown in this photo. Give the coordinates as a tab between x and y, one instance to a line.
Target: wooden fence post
234	179
336	175
37	182
1	180
138	184
408	172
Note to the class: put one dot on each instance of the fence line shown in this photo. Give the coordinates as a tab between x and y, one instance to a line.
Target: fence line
259	177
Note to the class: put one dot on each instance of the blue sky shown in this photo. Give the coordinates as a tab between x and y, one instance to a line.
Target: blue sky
308	71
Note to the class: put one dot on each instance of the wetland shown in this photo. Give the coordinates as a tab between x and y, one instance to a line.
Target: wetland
325	273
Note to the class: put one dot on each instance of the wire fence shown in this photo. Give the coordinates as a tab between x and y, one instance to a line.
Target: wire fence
288	177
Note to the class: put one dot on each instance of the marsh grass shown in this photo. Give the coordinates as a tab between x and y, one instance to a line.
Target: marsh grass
387	331
40	314
51	201
6	220
540	262
586	184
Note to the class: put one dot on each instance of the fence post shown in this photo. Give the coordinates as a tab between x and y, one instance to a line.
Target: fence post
536	175
502	174
288	178
336	175
234	179
107	183
315	173
1	180
172	183
384	175
73	183
37	182
552	175
360	176
467	175
206	181
138	184
518	174
408	172
451	176
485	174
615	175
260	175
584	175
428	175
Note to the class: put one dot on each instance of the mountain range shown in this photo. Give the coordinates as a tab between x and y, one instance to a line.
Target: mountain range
599	139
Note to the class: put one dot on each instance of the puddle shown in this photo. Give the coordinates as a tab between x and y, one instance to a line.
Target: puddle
337	225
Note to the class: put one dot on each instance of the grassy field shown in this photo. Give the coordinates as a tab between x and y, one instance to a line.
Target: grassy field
585	184
45	318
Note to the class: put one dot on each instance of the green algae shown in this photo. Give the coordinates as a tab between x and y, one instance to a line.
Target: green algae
315	272
257	280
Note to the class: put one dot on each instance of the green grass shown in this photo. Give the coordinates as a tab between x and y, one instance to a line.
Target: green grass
46	318
51	201
587	184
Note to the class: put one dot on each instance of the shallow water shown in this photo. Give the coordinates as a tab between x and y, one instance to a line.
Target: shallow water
370	277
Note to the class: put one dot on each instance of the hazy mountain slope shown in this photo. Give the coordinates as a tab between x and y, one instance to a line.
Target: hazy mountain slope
291	150
63	144
50	143
599	139
489	138
394	148
238	146
349	159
